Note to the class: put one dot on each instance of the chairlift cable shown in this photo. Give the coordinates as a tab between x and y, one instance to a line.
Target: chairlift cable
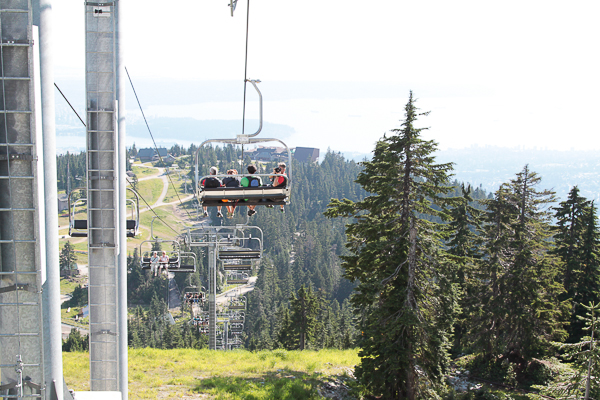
153	141
150	207
67	100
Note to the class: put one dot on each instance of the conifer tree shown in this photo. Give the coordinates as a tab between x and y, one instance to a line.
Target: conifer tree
67	257
463	245
521	312
304	309
570	226
396	256
577	240
581	381
588	280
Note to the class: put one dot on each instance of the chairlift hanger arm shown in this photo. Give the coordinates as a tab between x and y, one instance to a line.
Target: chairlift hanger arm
260	107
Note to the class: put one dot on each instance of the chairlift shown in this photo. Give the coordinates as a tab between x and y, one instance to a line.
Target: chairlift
240	266
133	225
237	303
178	261
240	278
250	195
193	296
241	245
79	227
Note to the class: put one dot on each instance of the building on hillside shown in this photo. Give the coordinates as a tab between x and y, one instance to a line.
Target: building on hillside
306	154
63	202
150	154
165	158
262	153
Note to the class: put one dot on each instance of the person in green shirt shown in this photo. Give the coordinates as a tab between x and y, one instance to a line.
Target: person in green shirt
251	181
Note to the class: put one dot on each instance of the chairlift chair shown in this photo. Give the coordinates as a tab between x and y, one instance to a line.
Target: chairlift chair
237	278
250	195
79	227
191	293
133	225
239	303
179	261
241	246
245	266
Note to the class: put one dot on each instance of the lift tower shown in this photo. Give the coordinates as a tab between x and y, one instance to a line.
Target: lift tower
21	347
103	194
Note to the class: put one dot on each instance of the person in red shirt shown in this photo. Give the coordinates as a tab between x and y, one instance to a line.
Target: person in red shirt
280	181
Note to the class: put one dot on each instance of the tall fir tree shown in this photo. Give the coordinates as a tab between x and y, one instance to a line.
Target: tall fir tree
521	312
463	224
67	257
304	309
577	239
396	256
570	225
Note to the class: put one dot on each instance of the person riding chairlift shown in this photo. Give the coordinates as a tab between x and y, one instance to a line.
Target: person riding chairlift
251	181
231	181
154	260
279	181
164	263
212	182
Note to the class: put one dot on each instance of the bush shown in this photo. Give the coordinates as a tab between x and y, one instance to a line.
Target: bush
79	299
76	342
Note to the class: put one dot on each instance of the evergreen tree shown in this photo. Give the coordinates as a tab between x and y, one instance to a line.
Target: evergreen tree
396	257
67	257
286	337
577	245
588	280
76	342
569	231
463	243
584	359
304	309
521	312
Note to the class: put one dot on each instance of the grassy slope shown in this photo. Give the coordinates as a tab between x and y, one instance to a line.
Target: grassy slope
238	374
142	171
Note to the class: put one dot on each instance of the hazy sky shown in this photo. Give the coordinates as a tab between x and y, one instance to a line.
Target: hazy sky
510	73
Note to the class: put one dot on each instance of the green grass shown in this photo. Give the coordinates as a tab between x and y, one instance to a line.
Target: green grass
68	313
150	190
160	229
143	172
68	285
238	374
171	195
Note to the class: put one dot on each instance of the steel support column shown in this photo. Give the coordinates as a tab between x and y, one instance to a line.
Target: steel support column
21	344
212	297
102	166
122	262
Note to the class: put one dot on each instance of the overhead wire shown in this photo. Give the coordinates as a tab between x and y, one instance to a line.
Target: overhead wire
153	141
150	207
67	100
245	77
130	183
246	69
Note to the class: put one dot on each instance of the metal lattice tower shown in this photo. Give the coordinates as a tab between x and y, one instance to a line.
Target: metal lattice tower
102	186
21	347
